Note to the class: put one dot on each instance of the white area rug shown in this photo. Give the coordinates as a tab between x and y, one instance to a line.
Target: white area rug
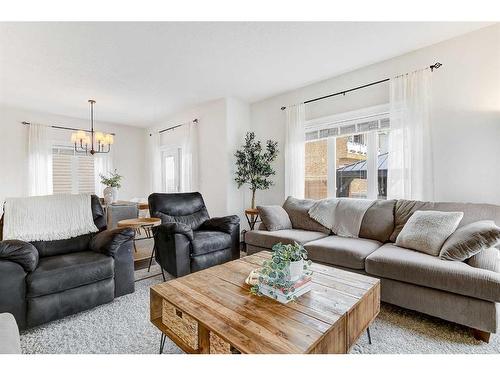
123	326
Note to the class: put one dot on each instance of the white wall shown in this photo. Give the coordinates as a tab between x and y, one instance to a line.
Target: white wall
238	123
465	113
211	156
128	150
222	124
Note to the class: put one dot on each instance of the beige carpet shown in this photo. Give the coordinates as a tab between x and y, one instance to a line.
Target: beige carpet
400	331
123	326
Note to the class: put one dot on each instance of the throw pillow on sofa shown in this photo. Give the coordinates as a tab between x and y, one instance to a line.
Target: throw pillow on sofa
470	240
426	231
274	218
298	212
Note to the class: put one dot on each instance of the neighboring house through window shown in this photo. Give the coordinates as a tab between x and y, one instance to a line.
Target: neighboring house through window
346	155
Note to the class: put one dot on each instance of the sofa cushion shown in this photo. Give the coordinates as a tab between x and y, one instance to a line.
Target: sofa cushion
205	241
298	212
69	245
426	231
61	272
274	217
470	240
341	251
397	263
378	222
472	212
186	208
267	239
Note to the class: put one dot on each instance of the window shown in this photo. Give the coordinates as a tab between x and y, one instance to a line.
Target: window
347	157
171	170
72	173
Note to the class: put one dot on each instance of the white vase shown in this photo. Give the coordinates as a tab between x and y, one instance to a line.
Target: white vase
296	269
110	194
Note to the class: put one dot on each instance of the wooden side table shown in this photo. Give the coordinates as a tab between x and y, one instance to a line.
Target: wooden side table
145	223
252	215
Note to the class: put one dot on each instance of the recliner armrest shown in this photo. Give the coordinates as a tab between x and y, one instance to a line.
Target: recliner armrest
109	241
225	224
175	228
20	252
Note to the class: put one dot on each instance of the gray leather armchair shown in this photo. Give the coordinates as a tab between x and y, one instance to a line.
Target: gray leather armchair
188	240
47	280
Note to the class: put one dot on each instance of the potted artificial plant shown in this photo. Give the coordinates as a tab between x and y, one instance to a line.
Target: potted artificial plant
287	265
253	164
113	183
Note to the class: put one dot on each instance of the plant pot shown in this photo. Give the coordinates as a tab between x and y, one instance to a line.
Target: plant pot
110	195
296	269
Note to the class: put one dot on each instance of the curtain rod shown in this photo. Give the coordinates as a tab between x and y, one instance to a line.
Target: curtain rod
436	65
195	121
64	128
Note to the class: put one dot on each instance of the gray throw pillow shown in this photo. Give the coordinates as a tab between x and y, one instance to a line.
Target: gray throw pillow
470	240
298	212
426	231
274	218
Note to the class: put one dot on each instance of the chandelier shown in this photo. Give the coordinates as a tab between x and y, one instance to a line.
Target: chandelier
98	142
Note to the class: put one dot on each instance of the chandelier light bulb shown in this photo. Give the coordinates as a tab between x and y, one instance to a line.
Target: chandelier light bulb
99	137
109	139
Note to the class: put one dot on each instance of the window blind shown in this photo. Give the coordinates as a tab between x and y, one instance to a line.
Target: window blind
349	127
72	173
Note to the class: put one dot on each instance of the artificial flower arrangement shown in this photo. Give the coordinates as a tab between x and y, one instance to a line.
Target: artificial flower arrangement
285	276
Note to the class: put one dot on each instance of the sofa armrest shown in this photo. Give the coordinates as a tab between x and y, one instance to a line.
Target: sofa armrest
173	247
20	252
227	224
109	241
487	259
175	228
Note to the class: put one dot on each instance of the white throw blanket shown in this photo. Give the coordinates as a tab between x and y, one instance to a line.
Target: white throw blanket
47	218
343	215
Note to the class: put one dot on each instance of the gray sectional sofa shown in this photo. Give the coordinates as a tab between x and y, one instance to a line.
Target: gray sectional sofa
467	292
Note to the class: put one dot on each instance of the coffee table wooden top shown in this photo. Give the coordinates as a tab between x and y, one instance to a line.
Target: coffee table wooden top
328	319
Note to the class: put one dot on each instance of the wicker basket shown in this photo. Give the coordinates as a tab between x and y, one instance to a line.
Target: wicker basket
185	327
219	346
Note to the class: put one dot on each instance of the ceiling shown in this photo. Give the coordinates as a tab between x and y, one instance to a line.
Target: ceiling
140	73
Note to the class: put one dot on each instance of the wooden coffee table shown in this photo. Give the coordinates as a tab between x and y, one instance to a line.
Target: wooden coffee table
212	311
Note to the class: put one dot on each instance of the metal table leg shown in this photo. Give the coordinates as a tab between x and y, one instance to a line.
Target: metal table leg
162	342
151	258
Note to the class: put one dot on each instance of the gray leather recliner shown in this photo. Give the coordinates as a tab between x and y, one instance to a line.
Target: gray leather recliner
47	280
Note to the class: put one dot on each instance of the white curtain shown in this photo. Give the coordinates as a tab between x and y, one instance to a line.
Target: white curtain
410	159
294	151
154	161
103	164
40	159
189	158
